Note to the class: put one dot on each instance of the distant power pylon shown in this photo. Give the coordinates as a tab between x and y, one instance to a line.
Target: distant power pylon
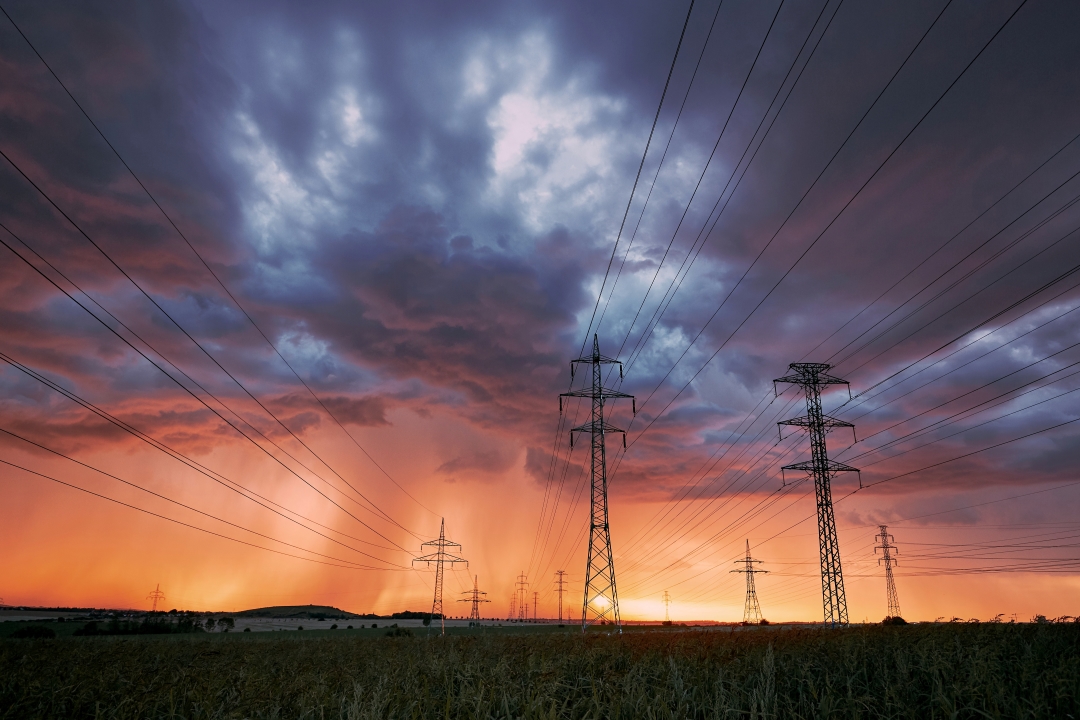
536	601
513	607
887	548
601	601
441	558
560	588
522	597
811	377
751	608
475	599
667	606
156	595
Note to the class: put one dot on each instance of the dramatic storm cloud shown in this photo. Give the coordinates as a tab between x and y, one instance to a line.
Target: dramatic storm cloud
420	210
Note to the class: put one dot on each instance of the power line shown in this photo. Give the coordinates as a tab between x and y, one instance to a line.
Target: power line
205	264
181	385
193	340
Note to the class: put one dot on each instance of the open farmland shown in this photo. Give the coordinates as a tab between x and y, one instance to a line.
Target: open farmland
923	671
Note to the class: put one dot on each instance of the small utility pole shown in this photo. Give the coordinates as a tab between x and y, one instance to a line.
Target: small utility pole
560	587
523	597
441	558
156	595
475	599
887	548
751	608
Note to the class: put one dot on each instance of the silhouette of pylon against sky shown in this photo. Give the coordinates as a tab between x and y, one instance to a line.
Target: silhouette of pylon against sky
751	608
475	599
536	601
667	606
887	548
811	377
156	595
522	597
513	607
441	558
601	600
560	588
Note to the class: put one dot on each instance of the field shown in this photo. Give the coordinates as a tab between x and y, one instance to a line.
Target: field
918	671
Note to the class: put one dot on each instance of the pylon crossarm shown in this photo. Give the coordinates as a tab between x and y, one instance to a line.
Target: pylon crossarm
831	466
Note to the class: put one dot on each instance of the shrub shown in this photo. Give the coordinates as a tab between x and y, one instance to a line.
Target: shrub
334	626
396	631
34	632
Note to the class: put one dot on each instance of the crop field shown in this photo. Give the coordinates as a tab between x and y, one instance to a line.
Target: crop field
921	671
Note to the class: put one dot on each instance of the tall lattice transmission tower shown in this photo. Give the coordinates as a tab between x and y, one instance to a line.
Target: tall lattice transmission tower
156	595
601	600
522	597
811	377
441	558
667	608
536	602
560	588
474	598
887	547
751	608
513	607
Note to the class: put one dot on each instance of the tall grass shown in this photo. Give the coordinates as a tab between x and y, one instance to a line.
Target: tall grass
944	671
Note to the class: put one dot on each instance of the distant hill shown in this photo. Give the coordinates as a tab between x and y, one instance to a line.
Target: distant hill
314	612
299	611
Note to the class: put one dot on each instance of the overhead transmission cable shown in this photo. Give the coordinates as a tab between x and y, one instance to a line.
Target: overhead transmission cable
206	265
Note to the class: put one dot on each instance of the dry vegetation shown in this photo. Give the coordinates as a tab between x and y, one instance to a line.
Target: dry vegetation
924	671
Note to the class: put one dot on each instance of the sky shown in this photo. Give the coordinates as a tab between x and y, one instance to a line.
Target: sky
286	284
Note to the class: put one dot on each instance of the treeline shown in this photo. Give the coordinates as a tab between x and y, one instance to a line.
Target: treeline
156	626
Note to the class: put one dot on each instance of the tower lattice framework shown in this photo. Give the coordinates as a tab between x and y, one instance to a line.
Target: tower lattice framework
886	544
601	599
667	608
811	377
440	557
522	597
751	608
156	595
475	597
560	588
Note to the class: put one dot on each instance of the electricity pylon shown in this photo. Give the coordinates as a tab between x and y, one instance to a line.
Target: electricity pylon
811	377
751	608
156	595
522	597
475	599
560	587
887	548
513	607
536	601
601	601
441	558
667	606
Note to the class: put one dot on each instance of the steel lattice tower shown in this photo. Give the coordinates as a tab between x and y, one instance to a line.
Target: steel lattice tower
441	558
513	607
522	597
157	595
811	377
475	599
751	608
887	548
667	606
536	601
560	588
601	600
